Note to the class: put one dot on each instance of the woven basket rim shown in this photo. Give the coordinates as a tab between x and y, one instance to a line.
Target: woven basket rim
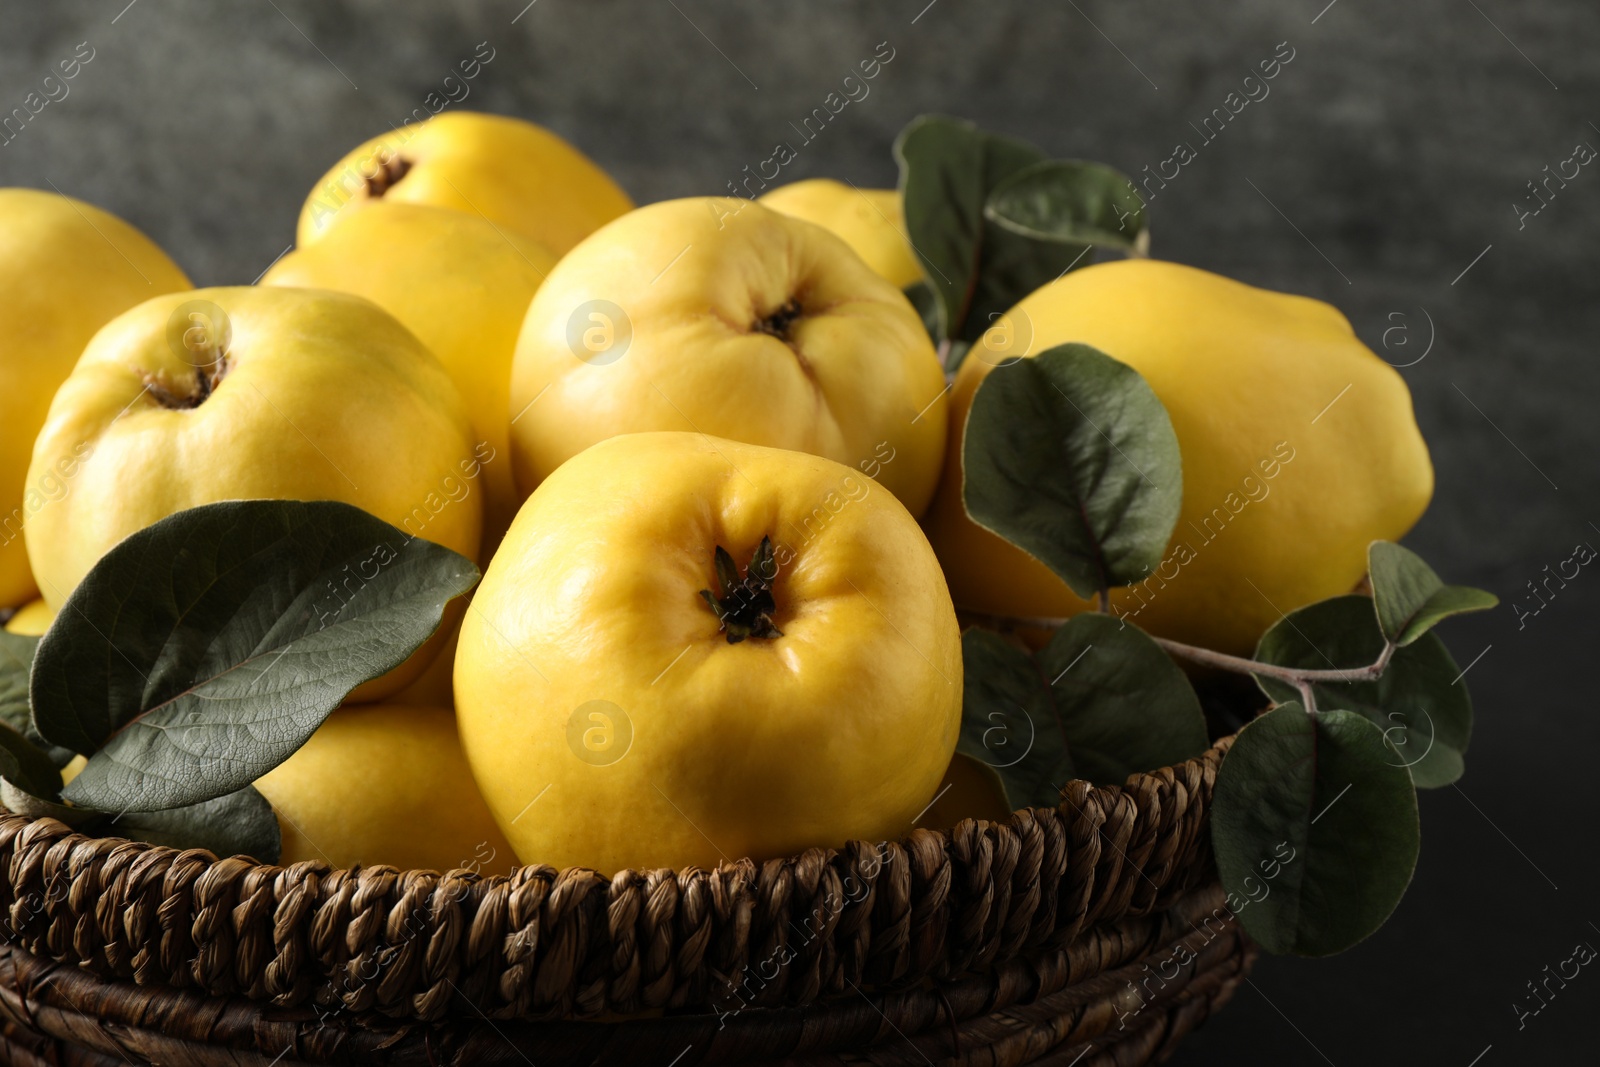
542	943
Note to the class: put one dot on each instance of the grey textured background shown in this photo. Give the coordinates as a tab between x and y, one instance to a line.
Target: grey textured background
1396	141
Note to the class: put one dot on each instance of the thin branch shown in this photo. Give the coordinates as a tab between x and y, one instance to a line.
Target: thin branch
1293	675
1308	697
1221	660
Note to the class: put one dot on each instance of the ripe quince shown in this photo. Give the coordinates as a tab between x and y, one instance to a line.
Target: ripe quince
459	284
1299	448
870	221
719	316
631	692
32	619
66	269
518	176
969	791
252	393
385	784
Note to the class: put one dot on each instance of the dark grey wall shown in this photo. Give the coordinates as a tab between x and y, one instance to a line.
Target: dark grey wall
1385	162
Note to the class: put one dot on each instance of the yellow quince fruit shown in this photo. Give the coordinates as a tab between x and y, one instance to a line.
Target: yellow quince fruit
719	316
32	619
66	269
516	175
252	393
1299	448
460	285
870	221
969	791
632	693
385	784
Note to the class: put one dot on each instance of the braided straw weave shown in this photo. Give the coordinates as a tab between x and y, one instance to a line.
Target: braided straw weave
990	943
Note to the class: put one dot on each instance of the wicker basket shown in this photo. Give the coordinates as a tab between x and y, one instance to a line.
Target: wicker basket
1091	934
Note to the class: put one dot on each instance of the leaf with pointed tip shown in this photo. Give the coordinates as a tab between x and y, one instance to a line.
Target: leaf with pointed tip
201	652
1315	830
239	824
1074	202
1071	457
1123	705
1419	703
1410	598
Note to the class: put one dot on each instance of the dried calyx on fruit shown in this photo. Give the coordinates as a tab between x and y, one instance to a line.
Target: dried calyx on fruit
780	322
206	380
745	605
391	168
209	354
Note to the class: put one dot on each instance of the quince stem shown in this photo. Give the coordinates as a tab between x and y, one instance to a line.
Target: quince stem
1301	679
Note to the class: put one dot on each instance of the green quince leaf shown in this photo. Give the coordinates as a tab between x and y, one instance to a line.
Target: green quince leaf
926	303
1072	202
1410	598
1419	702
1124	706
239	824
16	664
1314	825
16	660
1007	723
1071	457
26	766
1100	702
977	267
201	652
